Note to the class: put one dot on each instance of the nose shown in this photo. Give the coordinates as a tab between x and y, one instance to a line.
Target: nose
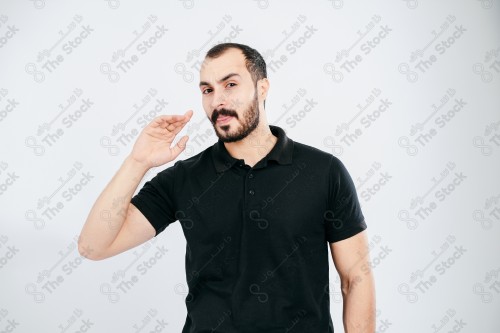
219	99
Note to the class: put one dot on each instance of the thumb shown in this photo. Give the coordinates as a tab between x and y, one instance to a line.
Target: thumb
180	146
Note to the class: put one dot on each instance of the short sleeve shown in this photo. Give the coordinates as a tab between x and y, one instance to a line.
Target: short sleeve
344	217
155	200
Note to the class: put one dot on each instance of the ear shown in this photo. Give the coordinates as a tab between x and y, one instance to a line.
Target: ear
262	88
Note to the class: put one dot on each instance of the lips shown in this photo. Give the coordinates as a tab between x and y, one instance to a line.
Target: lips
224	119
223	116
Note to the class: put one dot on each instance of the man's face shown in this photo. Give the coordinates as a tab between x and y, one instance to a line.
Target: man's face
229	96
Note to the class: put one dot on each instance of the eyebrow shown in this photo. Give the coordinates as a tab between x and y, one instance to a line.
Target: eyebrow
228	76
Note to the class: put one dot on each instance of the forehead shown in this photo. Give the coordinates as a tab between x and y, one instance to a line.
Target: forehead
231	61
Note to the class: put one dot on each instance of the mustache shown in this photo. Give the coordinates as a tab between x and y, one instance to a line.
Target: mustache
223	112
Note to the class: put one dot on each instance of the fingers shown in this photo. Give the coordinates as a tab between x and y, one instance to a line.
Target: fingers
171	124
165	120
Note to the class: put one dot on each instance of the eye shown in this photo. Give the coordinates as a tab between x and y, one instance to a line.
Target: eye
206	91
232	84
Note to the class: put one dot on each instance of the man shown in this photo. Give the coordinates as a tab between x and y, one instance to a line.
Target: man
257	210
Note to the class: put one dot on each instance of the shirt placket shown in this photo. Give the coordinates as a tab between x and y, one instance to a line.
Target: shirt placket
245	256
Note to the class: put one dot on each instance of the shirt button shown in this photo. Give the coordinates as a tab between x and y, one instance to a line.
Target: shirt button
251	192
250	175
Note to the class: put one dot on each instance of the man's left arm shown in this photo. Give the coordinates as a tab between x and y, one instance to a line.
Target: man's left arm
351	259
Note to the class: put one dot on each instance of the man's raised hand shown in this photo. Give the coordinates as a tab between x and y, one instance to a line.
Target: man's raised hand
153	146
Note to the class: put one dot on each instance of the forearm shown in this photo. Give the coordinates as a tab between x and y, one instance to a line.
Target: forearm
110	209
359	305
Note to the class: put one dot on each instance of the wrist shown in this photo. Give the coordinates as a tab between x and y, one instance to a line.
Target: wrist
135	165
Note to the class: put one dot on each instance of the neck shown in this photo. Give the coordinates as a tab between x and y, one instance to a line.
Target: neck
255	146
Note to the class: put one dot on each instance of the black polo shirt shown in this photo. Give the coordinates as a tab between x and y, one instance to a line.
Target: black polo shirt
257	254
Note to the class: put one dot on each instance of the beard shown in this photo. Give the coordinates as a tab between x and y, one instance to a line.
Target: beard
247	125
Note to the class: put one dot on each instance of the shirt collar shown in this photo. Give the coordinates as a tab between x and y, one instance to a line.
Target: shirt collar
281	152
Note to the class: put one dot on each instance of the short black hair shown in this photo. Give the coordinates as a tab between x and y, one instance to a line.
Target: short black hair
254	61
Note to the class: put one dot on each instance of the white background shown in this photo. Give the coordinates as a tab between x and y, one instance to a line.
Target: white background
435	256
